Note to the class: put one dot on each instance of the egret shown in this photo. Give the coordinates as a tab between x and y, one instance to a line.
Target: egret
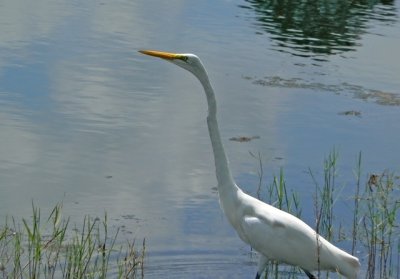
275	234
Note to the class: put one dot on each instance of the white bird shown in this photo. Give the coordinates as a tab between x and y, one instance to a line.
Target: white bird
275	234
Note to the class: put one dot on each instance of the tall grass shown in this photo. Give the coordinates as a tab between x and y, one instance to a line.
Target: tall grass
324	200
50	249
380	225
374	234
356	204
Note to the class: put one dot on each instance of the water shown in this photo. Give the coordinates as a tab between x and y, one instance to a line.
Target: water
87	120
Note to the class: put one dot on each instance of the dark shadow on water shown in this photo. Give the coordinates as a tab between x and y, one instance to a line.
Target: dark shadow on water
317	28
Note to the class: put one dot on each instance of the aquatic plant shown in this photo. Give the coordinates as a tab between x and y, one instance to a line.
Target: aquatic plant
50	249
380	230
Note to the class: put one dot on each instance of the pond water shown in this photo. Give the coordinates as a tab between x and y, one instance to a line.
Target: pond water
86	120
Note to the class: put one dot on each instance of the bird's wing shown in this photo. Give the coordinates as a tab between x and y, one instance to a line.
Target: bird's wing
263	234
282	239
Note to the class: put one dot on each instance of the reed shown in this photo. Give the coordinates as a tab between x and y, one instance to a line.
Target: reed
357	172
380	225
50	249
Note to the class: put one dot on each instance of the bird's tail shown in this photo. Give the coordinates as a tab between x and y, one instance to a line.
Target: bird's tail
344	263
349	266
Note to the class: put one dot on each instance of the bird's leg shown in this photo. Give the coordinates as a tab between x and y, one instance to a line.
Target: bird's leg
309	274
262	263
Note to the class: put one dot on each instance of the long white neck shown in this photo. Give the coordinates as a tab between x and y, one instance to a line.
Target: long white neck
224	176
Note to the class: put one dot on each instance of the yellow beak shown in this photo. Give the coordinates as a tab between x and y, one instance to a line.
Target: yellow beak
162	54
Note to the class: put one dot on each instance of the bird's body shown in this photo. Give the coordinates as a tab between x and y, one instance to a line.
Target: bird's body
284	237
273	233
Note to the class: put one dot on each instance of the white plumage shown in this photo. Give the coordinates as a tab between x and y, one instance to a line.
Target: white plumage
273	233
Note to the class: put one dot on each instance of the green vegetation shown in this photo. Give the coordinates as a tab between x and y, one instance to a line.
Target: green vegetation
374	234
36	249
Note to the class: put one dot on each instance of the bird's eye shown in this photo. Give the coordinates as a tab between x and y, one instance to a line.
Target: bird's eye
184	58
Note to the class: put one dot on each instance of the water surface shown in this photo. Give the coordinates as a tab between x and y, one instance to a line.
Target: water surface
87	120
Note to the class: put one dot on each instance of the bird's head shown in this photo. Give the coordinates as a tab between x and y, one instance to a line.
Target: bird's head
187	61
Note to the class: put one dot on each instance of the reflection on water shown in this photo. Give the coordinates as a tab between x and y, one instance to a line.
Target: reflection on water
314	28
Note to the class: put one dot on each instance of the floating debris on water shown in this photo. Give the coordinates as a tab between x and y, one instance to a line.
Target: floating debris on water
351	113
244	139
359	92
